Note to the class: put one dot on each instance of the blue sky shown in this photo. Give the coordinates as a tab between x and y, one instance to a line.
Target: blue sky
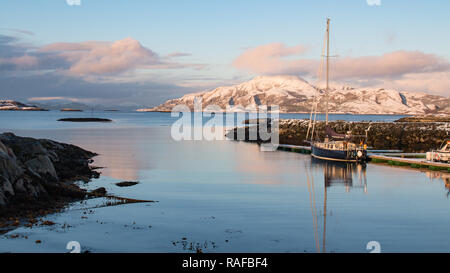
215	33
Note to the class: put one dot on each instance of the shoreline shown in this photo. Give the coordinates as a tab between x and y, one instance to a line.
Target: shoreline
38	175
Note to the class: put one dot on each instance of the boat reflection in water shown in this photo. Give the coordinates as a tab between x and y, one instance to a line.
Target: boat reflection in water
341	173
436	175
334	174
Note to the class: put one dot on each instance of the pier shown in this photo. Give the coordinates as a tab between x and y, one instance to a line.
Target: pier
391	157
295	148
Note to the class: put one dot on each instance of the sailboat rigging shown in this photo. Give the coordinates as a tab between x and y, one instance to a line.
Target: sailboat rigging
336	147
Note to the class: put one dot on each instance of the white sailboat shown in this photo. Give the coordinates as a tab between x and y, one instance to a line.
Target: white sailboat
441	155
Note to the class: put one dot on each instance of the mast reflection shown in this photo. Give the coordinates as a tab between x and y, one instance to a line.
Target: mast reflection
334	174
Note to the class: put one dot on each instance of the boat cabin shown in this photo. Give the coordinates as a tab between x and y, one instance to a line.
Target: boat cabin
337	145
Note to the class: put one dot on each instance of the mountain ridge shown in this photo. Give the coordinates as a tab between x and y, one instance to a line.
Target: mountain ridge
295	95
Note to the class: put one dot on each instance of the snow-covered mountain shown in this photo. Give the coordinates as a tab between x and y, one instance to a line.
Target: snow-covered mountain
293	94
18	106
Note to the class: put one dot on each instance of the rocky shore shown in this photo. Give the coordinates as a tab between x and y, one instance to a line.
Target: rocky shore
407	136
37	175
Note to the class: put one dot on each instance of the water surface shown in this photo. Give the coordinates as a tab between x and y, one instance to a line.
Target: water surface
226	196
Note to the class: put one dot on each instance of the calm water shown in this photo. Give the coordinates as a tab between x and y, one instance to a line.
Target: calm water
227	196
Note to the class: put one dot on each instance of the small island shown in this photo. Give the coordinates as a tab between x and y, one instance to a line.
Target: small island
85	120
71	110
11	105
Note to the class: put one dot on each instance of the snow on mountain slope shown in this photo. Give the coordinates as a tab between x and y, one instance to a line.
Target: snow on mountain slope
293	94
18	106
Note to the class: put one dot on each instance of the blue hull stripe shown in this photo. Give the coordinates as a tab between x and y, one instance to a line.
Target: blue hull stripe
325	153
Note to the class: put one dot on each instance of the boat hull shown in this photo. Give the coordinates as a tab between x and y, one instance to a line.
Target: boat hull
336	155
438	156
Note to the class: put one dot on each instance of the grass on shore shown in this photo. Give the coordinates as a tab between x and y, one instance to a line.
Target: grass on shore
412	165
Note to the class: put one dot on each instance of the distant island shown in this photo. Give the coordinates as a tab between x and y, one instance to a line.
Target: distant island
85	119
71	110
295	95
11	105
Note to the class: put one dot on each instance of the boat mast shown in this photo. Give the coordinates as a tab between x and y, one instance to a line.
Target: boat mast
328	66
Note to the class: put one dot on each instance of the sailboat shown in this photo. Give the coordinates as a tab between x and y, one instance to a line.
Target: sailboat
336	147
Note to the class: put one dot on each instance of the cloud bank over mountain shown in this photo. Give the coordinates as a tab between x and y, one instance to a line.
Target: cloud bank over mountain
400	69
127	72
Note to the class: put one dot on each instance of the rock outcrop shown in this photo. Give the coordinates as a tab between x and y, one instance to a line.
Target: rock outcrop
406	136
36	173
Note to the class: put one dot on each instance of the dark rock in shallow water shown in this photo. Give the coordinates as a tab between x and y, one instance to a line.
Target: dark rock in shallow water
126	183
35	174
85	119
98	192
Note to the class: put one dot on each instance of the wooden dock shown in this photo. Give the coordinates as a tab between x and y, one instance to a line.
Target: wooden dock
295	148
391	157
